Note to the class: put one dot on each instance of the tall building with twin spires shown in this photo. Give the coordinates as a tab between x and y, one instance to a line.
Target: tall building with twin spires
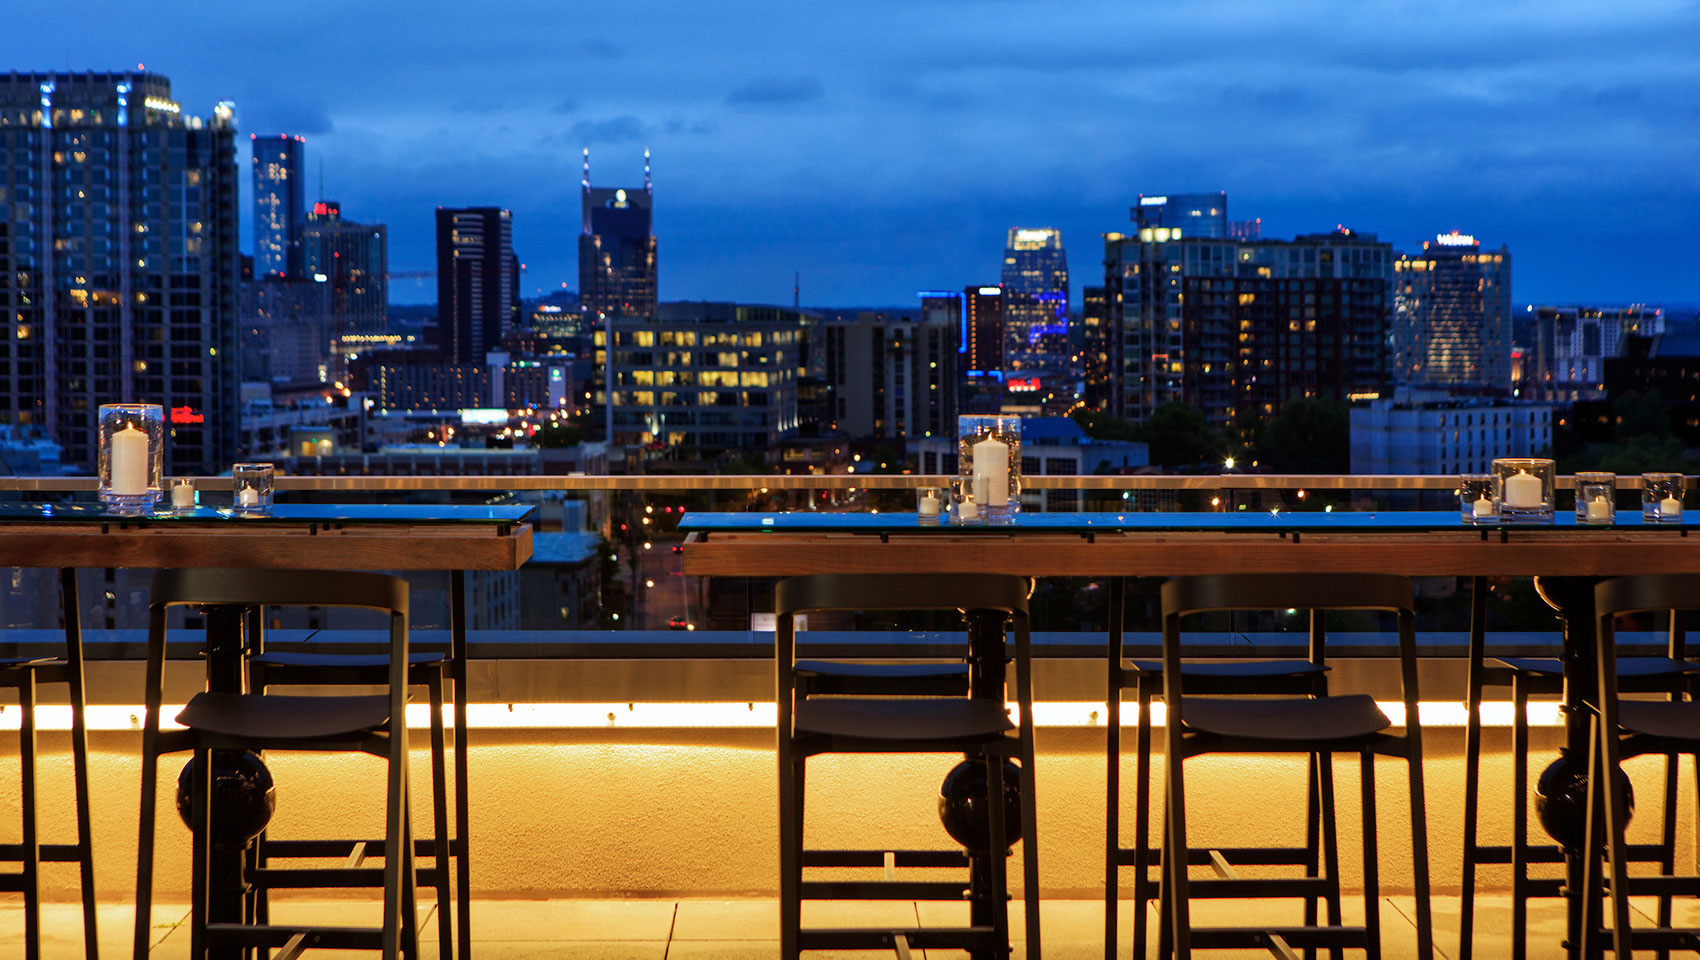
616	248
119	262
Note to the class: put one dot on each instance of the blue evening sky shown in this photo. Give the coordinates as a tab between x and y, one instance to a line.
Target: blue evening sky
882	148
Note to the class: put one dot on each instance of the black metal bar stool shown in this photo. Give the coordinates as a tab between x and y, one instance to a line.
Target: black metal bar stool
1670	675
426	669
1222	676
24	675
1316	725
827	707
234	723
1624	728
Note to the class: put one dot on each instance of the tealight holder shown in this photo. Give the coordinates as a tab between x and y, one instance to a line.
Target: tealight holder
251	487
1526	486
1478	498
1596	498
1661	497
131	457
989	460
929	504
964	509
183	496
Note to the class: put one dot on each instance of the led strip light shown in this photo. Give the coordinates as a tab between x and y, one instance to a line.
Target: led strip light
740	715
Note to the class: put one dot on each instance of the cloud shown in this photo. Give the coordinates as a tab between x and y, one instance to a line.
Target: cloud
292	118
769	91
621	129
565	105
603	49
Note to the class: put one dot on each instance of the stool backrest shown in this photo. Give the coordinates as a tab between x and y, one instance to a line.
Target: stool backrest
1677	593
1312	593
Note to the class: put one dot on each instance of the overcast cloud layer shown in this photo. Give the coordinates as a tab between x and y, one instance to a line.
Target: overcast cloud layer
884	148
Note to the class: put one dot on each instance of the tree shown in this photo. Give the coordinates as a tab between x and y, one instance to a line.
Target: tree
1102	426
1309	435
1179	436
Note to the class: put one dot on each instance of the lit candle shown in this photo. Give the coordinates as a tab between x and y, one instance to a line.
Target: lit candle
183	495
249	497
1522	490
129	466
1599	510
928	506
967	511
991	464
1670	508
1483	507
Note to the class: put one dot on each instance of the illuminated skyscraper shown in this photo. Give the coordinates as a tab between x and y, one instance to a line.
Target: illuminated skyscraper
616	248
280	205
119	262
1236	329
1183	215
477	281
1035	287
353	258
1452	316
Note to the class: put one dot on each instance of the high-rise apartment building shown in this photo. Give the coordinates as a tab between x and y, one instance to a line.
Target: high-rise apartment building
892	373
1238	328
616	248
280	205
353	259
477	281
1452	316
1095	347
1035	288
1182	215
1566	360
983	332
119	262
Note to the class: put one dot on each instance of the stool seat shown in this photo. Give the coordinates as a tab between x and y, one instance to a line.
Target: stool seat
1234	668
888	671
17	663
879	718
1345	717
1626	666
274	717
283	659
1668	720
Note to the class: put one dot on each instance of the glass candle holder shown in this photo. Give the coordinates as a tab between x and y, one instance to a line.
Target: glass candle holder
1526	487
964	509
1596	498
131	457
183	496
1661	497
989	460
929	504
251	487
1478	498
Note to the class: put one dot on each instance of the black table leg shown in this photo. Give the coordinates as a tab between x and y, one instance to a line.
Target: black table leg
986	656
227	672
1573	598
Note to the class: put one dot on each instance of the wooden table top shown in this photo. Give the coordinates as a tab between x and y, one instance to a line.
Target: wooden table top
285	545
1531	551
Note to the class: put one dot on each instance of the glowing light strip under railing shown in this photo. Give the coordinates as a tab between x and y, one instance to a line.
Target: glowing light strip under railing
737	715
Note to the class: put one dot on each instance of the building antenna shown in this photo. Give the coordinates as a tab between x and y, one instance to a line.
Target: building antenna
321	179
586	180
647	186
797	291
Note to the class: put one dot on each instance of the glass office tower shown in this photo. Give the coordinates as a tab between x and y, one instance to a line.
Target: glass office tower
1452	316
1035	286
280	205
616	248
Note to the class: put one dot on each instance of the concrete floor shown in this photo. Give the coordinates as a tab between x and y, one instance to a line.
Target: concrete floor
736	929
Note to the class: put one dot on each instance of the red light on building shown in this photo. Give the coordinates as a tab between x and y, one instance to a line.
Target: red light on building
1027	385
186	415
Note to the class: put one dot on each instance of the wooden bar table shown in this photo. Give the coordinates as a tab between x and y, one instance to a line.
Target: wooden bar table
452	538
1119	545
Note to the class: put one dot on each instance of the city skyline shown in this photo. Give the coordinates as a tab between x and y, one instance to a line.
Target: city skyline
832	143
